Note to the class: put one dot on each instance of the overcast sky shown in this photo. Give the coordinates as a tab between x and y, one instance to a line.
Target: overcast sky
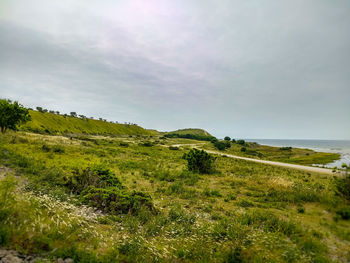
243	68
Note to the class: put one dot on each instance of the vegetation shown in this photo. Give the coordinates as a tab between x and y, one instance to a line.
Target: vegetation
284	154
221	145
144	197
12	114
49	123
199	161
97	200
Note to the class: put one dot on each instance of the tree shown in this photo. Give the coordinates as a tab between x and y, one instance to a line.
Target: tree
39	109
227	138
241	142
12	114
73	114
199	161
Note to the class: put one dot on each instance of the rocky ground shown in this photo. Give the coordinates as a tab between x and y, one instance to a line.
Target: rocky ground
12	256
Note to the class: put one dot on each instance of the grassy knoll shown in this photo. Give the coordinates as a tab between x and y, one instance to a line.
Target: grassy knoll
155	210
280	154
49	123
191	131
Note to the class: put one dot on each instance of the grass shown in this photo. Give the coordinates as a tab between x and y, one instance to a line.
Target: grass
49	123
242	212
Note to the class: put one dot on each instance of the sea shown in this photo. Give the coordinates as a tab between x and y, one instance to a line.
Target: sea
334	146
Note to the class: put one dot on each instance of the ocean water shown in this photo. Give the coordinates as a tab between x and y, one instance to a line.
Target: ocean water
334	146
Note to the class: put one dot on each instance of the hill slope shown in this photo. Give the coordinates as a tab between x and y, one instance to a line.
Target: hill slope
191	131
58	124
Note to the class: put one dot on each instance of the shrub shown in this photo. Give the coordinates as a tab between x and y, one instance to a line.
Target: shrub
222	145
189	136
301	210
97	176
58	149
45	148
174	148
199	161
344	213
286	148
147	144
243	149
117	201
241	142
343	186
124	144
227	138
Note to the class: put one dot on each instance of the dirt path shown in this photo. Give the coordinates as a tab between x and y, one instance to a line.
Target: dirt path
288	165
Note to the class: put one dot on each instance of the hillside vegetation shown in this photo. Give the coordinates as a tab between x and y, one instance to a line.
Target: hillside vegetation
196	134
136	199
191	131
50	123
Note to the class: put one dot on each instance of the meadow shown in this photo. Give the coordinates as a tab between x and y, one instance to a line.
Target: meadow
131	198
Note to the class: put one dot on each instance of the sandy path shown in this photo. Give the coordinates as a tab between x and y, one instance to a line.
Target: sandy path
288	165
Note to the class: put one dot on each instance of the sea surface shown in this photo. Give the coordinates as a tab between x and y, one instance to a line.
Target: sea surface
334	146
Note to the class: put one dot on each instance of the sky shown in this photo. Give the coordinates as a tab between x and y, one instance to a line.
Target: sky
242	68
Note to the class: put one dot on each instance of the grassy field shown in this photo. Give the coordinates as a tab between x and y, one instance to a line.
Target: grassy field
49	123
242	212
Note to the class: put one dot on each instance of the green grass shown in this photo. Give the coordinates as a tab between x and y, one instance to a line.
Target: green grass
243	212
191	131
49	123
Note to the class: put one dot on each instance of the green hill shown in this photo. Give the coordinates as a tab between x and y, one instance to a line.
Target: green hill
191	131
50	123
197	134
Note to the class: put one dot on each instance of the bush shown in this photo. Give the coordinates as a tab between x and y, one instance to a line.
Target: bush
286	148
301	210
222	145
117	201
174	148
199	161
124	144
227	138
241	142
344	213
243	149
343	186
190	136
97	176
58	149
147	144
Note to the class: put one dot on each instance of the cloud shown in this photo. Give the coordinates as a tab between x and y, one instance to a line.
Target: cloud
246	69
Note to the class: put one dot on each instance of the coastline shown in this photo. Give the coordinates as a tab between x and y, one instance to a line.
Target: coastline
341	147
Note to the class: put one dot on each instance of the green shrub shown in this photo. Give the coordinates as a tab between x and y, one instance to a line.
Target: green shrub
222	145
98	176
117	201
343	186
344	212
241	142
124	144
301	210
189	136
174	148
147	144
199	161
58	149
45	148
